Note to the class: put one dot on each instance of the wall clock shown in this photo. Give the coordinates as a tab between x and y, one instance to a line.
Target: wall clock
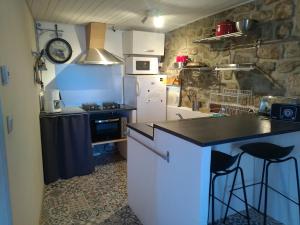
58	50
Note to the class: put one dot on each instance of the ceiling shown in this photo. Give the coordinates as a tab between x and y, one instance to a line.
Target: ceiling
127	14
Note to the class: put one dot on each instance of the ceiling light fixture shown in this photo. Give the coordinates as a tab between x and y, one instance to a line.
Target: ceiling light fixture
158	21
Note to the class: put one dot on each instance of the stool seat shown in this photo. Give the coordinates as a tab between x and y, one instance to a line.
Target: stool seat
221	161
270	154
266	151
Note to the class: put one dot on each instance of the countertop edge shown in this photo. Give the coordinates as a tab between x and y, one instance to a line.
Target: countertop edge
231	140
141	132
81	111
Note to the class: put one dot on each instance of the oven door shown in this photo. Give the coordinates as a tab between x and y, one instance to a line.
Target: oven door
105	129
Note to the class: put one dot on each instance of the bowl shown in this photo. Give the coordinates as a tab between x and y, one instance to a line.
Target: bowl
245	25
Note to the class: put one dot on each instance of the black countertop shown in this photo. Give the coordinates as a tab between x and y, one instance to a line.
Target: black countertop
143	129
78	110
213	131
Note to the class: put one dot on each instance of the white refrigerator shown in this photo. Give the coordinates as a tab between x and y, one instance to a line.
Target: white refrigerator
148	94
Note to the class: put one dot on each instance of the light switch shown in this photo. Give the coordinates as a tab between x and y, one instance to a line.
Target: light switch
10	123
4	74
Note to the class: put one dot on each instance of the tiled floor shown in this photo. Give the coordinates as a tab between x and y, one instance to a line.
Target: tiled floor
99	199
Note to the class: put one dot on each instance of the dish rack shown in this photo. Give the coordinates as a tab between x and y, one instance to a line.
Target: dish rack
232	101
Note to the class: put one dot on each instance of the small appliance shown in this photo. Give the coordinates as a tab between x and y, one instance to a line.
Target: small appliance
141	65
286	112
53	101
266	103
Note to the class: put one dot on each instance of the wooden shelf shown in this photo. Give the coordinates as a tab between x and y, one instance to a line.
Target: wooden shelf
209	40
109	141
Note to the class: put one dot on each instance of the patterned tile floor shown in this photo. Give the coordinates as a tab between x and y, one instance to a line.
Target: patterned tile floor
99	198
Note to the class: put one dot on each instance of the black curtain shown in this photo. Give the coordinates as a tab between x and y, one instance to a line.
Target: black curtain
66	145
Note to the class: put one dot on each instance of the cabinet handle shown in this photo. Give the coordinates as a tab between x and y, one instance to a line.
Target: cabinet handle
106	121
138	88
149	50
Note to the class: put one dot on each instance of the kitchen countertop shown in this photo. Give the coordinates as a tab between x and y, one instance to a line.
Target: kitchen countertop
142	128
213	131
78	110
65	111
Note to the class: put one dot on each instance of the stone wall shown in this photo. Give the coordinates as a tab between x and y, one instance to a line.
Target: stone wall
278	56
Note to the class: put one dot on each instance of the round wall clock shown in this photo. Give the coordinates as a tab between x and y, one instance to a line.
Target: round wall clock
58	50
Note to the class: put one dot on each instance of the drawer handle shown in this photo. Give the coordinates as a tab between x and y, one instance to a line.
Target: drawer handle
149	50
106	121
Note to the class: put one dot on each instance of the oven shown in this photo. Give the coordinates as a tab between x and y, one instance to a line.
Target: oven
107	127
141	65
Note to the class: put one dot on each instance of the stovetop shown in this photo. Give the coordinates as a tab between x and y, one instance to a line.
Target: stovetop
97	107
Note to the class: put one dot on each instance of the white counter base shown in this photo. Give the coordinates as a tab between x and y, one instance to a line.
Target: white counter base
176	193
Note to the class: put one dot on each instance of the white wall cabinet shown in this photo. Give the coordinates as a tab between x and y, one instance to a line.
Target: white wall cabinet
143	43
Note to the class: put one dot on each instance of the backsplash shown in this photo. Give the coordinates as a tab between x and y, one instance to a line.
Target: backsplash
89	83
83	83
278	57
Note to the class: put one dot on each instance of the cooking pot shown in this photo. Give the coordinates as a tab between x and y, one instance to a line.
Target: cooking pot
225	27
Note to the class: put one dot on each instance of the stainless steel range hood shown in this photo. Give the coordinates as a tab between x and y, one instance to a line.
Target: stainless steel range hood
95	53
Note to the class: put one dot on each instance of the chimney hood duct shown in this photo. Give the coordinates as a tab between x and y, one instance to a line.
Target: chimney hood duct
95	53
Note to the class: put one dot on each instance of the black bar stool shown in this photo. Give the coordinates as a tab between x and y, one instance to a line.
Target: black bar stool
220	164
271	154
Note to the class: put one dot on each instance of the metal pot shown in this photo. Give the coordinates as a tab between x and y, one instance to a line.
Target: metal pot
245	25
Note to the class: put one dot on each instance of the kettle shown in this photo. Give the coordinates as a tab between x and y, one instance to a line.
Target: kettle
53	101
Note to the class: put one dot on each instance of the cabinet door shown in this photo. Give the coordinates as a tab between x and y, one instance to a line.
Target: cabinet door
151	102
143	43
141	167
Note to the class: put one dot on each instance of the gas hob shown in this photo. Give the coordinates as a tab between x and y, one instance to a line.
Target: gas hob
104	106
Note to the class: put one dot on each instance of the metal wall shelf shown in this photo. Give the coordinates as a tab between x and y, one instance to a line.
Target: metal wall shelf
209	40
192	68
236	67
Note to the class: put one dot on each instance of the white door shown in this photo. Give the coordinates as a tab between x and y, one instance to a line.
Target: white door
151	99
5	210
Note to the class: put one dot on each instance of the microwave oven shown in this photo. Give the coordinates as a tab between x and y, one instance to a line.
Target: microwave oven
141	65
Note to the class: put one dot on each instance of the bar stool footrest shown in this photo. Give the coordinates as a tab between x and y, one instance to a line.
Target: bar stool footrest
270	187
231	207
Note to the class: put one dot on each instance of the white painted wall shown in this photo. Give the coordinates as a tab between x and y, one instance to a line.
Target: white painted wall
5	207
20	100
83	83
